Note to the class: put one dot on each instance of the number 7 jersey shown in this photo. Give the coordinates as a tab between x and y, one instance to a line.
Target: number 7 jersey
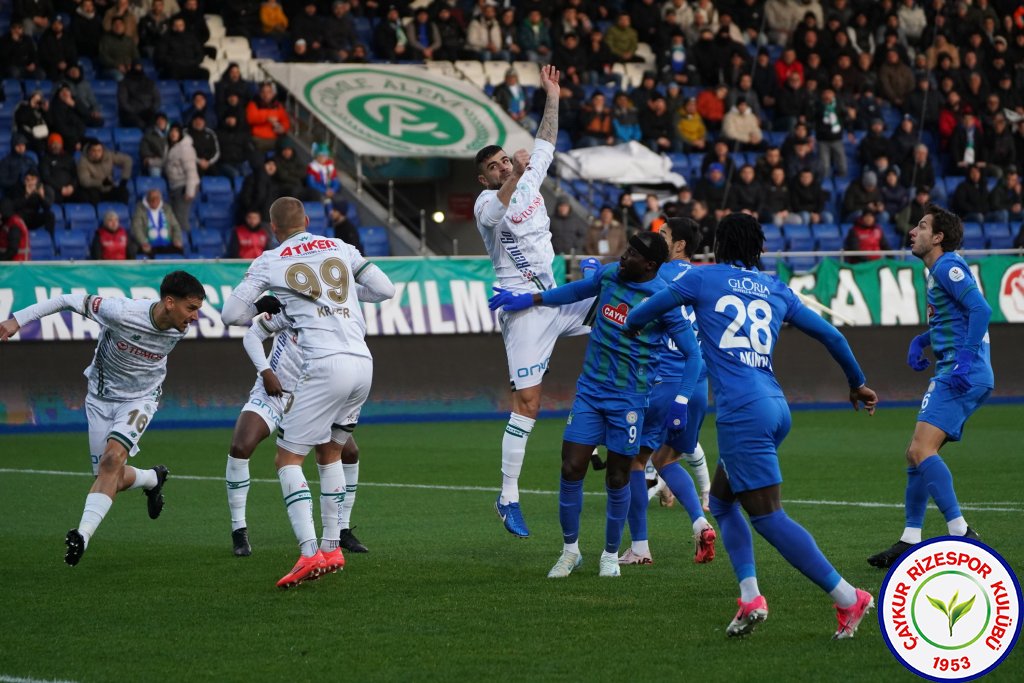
314	277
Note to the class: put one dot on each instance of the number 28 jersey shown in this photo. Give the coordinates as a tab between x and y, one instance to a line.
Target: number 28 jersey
314	277
739	315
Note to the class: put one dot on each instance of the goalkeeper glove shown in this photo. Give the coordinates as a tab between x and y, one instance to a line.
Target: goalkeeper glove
915	354
959	378
510	301
589	267
678	415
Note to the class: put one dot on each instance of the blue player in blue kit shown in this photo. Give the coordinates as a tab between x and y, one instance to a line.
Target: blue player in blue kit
682	237
612	391
958	318
739	313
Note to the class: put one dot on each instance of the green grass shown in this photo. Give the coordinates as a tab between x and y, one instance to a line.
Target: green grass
446	593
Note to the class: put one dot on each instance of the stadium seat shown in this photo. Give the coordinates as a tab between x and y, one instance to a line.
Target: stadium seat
824	230
216	189
802	263
41	245
127	141
529	74
12	91
207	243
104	135
974	237
104	88
73	245
472	71
235	49
793	232
31	85
679	162
214	216
80	216
952	182
191	87
563	143
168	257
830	243
145	183
995	229
495	71
170	92
1000	242
265	48
123	212
771	263
375	240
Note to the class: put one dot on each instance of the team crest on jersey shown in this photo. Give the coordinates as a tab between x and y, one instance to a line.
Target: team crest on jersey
96	304
616	314
136	337
956	274
632	417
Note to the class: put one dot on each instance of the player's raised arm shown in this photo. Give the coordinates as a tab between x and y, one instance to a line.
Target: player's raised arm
65	302
559	296
548	128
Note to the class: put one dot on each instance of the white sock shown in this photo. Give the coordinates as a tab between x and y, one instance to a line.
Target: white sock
97	505
351	484
606	554
144	479
957	527
513	451
911	535
298	502
641	547
699	466
573	547
236	478
332	495
749	589
844	594
700	525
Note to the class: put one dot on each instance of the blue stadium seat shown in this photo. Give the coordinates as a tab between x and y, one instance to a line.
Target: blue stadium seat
145	183
797	232
563	143
265	48
771	263
104	135
41	245
170	92
12	91
375	240
952	182
207	243
31	85
995	229
123	212
830	243
168	257
74	212
803	263
807	243
352	213
974	237
127	140
364	29
217	189
317	217
825	230
1000	242
679	162
73	245
104	87
191	87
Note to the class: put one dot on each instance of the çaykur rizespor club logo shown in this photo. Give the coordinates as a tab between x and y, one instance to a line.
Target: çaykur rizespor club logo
401	112
949	609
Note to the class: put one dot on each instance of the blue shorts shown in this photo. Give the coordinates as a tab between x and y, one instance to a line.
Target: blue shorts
748	443
615	422
944	408
655	434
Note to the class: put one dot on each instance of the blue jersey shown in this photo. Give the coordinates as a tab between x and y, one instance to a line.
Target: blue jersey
613	361
740	313
672	361
950	281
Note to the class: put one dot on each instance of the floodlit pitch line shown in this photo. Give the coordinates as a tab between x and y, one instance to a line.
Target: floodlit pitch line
17	679
972	507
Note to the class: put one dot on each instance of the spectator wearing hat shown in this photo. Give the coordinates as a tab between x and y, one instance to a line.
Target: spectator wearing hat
182	173
568	229
205	143
570	58
711	190
272	18
117	51
138	98
153	26
1007	198
301	53
903	140
57	171
96	181
894	196
862	196
267	118
14	165
67	117
235	146
291	172
179	54
866	235
155	228
424	36
250	238
14	238
511	97
339	34
34	202
85	97
390	41
342	227
321	175
57	48
30	120
87	29
153	148
453	34
112	242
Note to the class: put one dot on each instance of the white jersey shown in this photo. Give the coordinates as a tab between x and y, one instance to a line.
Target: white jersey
518	238
314	277
285	358
131	357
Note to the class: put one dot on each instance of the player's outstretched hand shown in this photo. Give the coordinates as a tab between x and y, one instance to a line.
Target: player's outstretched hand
8	329
915	354
960	377
268	304
678	415
271	383
510	301
589	266
549	76
867	396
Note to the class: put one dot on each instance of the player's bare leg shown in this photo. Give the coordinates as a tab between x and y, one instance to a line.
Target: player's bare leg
350	463
250	431
525	407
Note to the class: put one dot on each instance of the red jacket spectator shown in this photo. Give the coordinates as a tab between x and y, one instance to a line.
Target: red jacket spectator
866	235
786	64
14	243
266	116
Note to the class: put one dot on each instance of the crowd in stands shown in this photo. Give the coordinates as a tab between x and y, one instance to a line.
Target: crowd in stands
801	112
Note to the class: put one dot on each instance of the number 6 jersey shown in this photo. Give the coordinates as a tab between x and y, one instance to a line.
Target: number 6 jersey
315	279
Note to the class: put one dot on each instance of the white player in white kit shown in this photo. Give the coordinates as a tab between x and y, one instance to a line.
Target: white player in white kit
125	378
315	278
513	222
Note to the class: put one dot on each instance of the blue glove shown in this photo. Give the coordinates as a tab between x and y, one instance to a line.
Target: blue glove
510	301
678	415
915	354
959	378
589	266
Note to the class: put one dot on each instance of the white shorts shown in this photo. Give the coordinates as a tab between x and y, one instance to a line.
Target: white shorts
327	401
530	338
122	421
270	408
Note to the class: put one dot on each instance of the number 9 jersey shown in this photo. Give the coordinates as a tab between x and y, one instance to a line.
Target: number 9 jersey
315	279
739	313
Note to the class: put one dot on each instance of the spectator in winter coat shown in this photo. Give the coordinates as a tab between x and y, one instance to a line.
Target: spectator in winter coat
742	127
85	98
201	106
341	226
18	56
249	239
117	51
231	83
340	32
267	118
596	123
656	125
1006	200
423	35
711	190
180	53
30	120
96	174
236	149
181	171
775	206
321	175
919	171
14	237
153	26
862	196
625	119
746	195
67	118
692	131
894	195
606	238
865	235
272	18
971	198
58	172
205	143
34	202
57	48
138	98
895	79
87	29
155	229
112	242
153	148
568	230
807	199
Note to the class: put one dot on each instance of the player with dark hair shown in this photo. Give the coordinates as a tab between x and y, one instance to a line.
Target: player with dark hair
125	378
958	317
682	237
740	311
611	394
514	225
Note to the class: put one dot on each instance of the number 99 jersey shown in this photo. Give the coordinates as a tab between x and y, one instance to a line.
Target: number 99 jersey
314	277
739	315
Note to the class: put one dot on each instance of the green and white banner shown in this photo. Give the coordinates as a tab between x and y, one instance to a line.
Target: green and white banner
889	292
434	296
401	110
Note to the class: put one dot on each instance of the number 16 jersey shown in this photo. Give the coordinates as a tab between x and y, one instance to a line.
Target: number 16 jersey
314	277
739	314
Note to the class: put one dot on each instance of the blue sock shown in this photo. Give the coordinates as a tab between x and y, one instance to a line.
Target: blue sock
681	486
736	537
916	498
798	547
570	505
939	481
618	507
637	514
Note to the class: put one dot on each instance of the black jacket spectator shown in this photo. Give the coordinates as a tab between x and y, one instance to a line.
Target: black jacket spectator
235	146
138	98
453	35
87	29
971	196
179	54
67	117
809	198
152	29
308	25
875	145
18	56
58	171
231	84
14	165
30	120
389	37
57	49
746	194
33	201
195	20
340	34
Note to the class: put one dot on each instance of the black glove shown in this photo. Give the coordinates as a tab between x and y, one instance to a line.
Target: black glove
268	304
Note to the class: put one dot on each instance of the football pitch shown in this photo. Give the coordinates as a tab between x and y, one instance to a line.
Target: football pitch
446	593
